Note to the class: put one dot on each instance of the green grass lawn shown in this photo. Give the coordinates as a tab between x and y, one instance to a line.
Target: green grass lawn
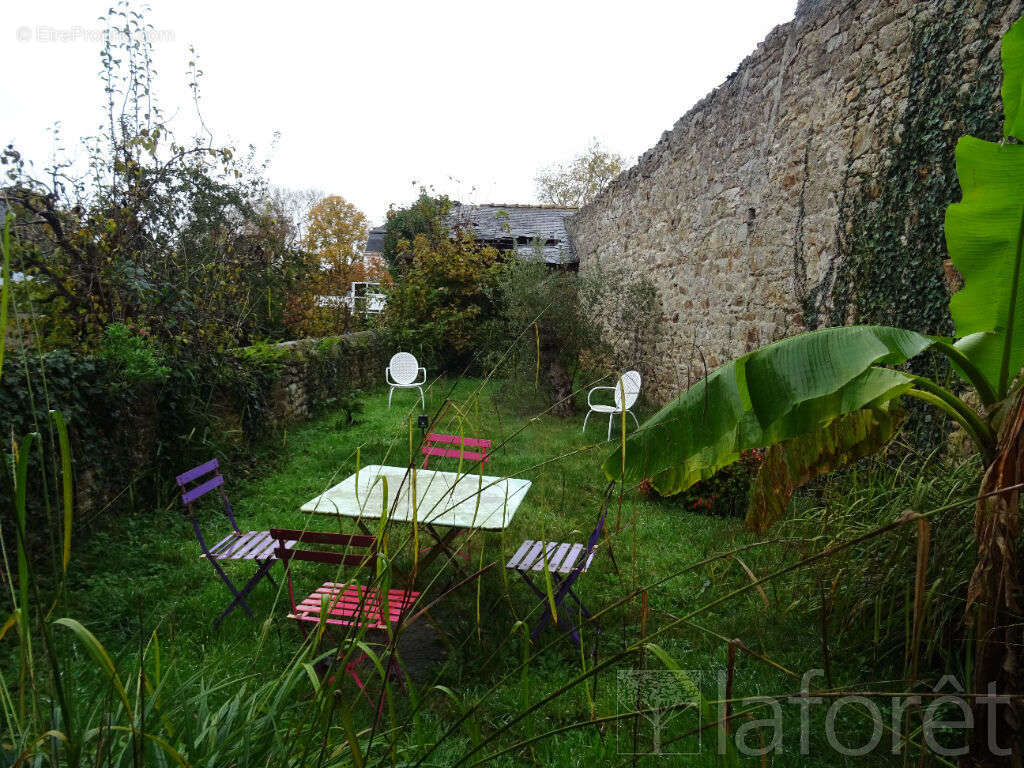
143	573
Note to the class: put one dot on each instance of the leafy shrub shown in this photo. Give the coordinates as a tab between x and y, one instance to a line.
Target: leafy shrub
170	233
723	494
424	217
132	355
550	318
350	404
442	307
870	596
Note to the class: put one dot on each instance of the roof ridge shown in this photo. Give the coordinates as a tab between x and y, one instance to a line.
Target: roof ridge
540	207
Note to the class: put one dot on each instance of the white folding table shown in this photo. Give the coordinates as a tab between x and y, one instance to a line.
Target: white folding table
457	501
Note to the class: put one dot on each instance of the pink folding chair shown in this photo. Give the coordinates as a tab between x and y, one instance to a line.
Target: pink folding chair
435	445
345	604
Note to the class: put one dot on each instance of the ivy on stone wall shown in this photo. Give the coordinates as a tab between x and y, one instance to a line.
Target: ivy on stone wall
890	244
129	440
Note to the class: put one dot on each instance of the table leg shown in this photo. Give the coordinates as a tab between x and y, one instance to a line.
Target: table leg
443	545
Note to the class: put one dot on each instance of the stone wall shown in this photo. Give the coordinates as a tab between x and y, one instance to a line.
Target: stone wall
315	372
129	442
736	214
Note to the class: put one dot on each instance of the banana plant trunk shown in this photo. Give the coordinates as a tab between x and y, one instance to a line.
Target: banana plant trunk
993	600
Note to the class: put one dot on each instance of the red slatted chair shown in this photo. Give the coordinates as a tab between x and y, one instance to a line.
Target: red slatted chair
347	604
435	444
257	546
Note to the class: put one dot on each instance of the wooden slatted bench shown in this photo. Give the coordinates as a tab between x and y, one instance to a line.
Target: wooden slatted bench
561	558
254	545
354	605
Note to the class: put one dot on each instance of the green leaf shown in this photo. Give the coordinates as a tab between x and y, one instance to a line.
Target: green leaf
24	452
1013	81
794	463
100	657
5	279
789	388
65	469
983	236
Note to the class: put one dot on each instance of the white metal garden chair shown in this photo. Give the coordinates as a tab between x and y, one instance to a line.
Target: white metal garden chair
630	386
403	373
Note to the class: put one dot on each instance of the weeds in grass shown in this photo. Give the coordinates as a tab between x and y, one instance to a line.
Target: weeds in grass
884	588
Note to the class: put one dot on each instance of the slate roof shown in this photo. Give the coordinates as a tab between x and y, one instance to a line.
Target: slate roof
517	226
375	240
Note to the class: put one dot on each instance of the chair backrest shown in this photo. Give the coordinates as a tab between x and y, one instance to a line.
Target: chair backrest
631	384
203	479
347	541
435	444
356	549
595	537
404	368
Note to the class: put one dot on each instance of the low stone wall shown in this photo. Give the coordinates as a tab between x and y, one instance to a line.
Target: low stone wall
314	372
128	442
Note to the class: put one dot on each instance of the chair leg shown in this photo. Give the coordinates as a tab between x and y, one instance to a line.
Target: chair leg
585	420
423	401
238	597
390	393
270	576
611	418
635	419
262	571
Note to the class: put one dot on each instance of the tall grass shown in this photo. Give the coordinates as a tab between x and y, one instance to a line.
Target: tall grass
843	582
872	586
75	702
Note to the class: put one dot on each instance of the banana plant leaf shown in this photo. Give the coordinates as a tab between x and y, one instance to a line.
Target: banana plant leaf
794	463
786	389
984	235
1013	81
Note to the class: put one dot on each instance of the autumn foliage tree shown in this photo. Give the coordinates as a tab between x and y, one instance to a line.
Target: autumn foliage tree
334	235
443	305
427	216
177	235
336	232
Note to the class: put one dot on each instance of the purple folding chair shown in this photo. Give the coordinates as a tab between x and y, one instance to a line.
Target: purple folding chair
565	563
257	546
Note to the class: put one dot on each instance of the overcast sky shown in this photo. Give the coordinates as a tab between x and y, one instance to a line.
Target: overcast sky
373	98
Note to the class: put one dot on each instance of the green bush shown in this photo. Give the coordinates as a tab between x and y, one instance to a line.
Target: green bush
723	494
549	337
132	354
443	305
